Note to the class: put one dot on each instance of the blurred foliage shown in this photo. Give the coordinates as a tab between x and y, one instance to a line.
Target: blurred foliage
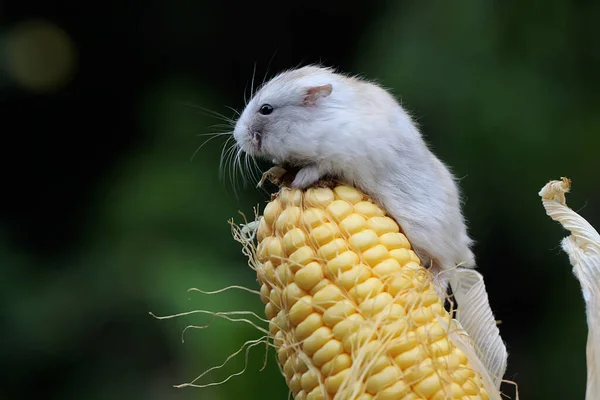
507	95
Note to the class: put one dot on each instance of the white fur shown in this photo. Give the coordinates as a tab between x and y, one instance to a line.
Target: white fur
360	134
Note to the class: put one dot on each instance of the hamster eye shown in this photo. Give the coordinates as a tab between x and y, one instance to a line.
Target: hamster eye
266	109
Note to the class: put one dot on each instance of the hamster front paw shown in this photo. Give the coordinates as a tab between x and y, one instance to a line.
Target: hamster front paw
306	177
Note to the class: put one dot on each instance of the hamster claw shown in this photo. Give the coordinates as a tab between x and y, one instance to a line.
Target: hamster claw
273	174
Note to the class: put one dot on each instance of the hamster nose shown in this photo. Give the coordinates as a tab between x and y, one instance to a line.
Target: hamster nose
257	138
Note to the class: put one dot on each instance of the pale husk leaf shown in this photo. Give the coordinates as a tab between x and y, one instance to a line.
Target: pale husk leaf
583	248
475	316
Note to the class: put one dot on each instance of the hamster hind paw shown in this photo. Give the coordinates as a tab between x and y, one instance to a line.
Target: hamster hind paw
306	177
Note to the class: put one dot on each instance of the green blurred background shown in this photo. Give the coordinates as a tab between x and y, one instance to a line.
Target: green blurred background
105	218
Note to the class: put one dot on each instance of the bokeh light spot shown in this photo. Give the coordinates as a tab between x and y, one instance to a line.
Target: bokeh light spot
40	56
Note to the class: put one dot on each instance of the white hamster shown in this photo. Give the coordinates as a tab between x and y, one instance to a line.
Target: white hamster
327	123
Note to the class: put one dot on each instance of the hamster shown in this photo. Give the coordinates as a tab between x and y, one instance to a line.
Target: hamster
327	123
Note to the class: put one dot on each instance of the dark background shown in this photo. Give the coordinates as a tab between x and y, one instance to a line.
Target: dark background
105	218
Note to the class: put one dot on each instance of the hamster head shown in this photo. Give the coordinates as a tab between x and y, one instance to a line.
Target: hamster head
283	122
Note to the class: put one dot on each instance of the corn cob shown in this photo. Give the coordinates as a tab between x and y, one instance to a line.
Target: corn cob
353	313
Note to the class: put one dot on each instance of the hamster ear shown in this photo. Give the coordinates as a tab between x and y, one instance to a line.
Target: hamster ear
316	92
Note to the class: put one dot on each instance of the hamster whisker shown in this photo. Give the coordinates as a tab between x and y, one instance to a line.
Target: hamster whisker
245	96
229	163
235	112
268	68
238	158
237	166
232	171
229	129
226	164
224	154
212	136
244	169
215	133
252	82
211	113
256	171
247	173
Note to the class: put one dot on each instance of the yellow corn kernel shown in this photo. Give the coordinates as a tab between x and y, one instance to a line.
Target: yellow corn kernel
301	257
348	194
288	219
316	340
328	296
355	275
312	218
332	249
387	267
394	240
337	364
293	240
401	255
383	379
291	197
353	223
367	289
339	312
342	262
368	209
299	311
318	197
324	233
284	274
272	211
327	352
364	239
306	278
353	313
339	209
383	225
